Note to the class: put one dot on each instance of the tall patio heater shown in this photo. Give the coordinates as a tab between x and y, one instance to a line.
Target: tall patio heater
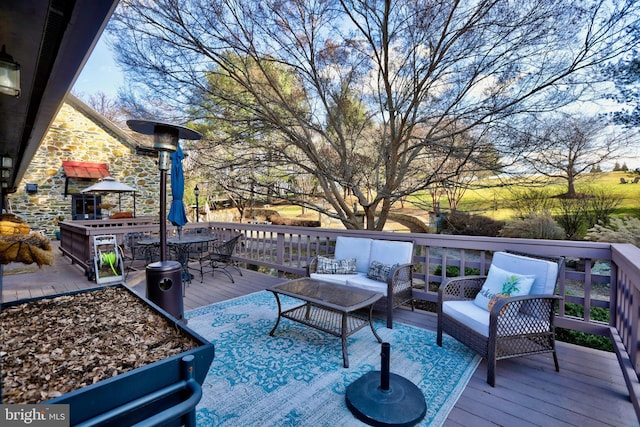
164	278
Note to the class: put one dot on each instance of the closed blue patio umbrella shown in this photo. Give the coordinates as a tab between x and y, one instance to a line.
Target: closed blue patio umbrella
177	214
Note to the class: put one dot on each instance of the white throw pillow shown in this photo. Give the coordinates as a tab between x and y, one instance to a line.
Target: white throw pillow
501	281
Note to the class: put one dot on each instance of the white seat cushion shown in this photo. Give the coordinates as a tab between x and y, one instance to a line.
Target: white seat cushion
354	247
338	279
364	282
469	314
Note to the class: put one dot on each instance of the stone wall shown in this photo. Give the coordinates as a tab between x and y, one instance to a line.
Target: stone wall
75	136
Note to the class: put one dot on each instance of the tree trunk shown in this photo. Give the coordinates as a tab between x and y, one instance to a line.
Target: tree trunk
571	188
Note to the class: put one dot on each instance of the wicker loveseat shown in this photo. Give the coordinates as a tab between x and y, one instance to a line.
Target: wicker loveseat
379	265
498	326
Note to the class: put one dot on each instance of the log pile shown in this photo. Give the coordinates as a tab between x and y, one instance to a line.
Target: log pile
19	244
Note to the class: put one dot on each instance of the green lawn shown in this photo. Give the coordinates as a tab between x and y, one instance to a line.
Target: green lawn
492	197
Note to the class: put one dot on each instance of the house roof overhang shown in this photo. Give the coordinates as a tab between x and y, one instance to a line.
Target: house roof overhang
88	170
51	40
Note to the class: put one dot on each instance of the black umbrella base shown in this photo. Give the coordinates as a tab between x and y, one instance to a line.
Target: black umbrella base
402	404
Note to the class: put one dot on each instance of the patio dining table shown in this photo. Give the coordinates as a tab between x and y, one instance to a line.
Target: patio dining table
180	246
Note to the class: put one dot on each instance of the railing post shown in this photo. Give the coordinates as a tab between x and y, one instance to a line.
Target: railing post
280	248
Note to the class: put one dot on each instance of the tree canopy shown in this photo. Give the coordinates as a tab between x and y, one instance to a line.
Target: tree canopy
626	76
370	101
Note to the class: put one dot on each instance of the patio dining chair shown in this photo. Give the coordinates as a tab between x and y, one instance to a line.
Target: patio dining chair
199	252
221	256
507	313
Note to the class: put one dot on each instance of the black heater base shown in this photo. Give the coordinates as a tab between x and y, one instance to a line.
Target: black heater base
380	398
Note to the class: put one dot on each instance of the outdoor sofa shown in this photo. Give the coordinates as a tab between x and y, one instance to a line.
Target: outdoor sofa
378	265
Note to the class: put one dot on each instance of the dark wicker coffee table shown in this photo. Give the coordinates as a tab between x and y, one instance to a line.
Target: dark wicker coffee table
328	307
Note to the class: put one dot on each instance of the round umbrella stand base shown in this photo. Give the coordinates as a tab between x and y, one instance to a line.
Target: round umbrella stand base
380	398
402	405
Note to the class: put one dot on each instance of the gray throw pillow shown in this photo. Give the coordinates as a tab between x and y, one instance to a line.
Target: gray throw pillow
379	271
336	266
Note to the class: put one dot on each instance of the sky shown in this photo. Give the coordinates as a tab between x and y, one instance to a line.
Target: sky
100	73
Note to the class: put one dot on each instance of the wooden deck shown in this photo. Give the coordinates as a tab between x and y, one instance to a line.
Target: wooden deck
589	390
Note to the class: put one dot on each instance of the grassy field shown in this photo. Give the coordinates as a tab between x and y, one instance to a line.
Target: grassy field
494	198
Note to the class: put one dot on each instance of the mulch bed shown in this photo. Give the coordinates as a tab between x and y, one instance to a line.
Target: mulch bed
52	346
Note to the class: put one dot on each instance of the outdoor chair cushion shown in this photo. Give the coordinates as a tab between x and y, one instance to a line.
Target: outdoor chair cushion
495	284
363	282
354	247
469	314
338	279
388	252
336	266
546	272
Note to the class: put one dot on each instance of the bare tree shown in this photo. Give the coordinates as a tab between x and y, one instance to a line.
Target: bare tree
360	93
107	106
566	146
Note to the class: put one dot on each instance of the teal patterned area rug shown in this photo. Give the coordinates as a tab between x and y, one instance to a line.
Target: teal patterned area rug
296	377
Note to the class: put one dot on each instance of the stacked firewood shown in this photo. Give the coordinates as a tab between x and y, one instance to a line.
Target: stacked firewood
19	244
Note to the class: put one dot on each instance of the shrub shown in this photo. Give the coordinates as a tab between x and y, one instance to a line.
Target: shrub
454	271
471	225
571	216
620	230
536	226
593	206
529	201
582	338
601	204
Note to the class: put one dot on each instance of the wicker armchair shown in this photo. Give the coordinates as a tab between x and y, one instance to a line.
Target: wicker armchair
515	326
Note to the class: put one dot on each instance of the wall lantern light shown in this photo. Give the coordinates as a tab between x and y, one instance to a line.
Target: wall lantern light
32	188
7	163
9	74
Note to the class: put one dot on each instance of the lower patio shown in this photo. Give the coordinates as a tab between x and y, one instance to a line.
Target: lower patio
589	390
